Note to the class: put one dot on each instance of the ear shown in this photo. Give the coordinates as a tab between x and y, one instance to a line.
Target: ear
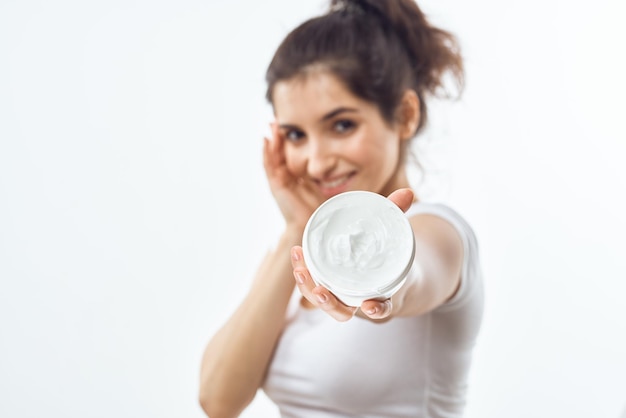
408	114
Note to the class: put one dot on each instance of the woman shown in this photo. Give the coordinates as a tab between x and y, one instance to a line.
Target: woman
349	91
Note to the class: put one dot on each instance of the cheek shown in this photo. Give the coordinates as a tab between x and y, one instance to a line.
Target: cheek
376	150
391	145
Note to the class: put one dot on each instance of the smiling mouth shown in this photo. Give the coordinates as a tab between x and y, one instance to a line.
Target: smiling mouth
334	186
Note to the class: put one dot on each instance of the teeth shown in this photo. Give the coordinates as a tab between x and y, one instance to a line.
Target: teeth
334	183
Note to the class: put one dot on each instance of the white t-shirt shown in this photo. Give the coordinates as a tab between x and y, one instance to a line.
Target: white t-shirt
406	367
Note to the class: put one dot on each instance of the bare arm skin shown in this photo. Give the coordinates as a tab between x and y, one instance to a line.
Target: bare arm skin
236	358
439	252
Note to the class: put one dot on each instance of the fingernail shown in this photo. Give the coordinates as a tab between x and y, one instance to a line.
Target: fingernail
388	306
322	298
294	255
371	311
299	277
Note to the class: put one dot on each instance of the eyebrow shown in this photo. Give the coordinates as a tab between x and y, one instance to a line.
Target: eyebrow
337	111
326	117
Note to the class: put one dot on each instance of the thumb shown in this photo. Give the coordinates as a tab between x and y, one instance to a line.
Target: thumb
403	198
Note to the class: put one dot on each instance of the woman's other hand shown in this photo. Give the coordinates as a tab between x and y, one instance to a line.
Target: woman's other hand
296	200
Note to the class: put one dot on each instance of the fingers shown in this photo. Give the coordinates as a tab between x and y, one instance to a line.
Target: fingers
319	296
277	142
322	298
377	309
274	159
272	149
403	198
274	129
266	154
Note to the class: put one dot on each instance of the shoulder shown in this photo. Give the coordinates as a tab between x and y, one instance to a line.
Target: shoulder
442	228
450	235
442	218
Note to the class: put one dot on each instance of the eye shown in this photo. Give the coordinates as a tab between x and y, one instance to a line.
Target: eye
343	126
293	135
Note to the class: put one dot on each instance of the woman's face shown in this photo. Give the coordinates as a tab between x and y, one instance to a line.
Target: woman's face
334	140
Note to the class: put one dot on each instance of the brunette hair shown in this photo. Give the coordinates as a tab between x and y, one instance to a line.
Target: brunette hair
377	48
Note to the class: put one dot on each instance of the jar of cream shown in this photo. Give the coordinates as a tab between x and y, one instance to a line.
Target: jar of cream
360	246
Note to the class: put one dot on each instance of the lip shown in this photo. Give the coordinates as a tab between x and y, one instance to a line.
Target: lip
333	186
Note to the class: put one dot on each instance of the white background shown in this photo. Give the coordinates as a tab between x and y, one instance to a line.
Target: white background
134	209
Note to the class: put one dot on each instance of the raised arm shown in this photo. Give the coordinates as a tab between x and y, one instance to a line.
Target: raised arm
236	358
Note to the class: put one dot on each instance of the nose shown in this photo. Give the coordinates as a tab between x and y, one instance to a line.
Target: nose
321	159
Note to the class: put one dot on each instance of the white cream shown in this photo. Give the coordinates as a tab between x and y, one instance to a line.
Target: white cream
359	245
